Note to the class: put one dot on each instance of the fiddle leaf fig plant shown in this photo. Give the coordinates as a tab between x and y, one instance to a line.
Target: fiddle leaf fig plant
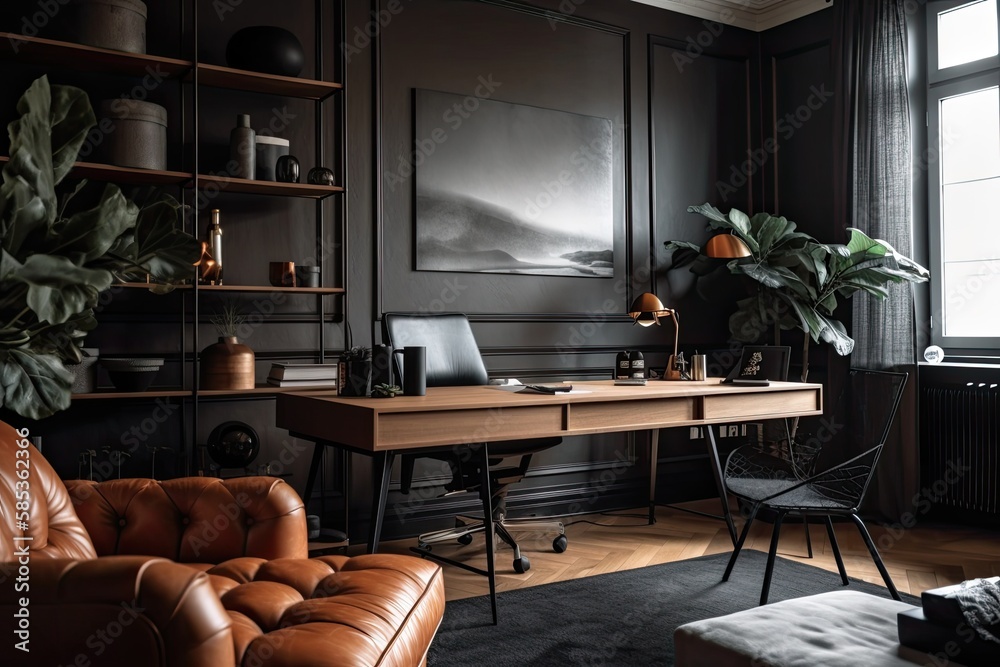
799	281
57	256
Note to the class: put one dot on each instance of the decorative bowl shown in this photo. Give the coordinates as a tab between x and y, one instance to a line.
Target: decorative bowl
131	374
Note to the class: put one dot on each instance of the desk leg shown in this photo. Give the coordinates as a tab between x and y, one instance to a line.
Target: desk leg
317	459
381	468
486	492
654	456
720	485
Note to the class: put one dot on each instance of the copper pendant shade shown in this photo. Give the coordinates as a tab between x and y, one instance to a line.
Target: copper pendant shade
726	246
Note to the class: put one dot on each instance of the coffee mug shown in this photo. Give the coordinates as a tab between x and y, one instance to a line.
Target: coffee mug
282	274
414	370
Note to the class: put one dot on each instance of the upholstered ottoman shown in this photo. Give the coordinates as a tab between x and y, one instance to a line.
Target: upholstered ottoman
838	629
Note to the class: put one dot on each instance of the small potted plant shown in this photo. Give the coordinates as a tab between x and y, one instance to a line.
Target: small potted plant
227	364
355	371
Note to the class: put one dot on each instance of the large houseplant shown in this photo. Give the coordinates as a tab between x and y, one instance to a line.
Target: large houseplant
57	256
797	282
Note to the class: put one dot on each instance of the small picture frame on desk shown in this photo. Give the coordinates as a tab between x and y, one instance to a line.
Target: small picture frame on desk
759	365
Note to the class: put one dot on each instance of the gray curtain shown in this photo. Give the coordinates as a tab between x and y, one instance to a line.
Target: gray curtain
880	204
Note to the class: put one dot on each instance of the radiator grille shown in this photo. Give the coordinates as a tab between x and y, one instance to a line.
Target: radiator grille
961	457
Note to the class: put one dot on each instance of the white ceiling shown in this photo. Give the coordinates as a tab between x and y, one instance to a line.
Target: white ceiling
751	14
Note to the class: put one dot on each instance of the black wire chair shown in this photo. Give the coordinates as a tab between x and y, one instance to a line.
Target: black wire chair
867	410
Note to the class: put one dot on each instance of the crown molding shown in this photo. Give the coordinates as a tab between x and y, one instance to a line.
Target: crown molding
756	15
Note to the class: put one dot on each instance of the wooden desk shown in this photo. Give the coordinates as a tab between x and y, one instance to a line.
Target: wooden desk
450	416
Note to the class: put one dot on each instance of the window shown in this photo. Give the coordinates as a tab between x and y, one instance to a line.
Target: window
964	128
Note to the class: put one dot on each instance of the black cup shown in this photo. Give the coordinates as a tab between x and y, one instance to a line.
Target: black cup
414	370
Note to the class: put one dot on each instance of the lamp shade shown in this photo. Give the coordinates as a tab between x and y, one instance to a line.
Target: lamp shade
726	246
647	310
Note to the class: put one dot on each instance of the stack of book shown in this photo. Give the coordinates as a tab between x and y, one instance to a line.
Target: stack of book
302	375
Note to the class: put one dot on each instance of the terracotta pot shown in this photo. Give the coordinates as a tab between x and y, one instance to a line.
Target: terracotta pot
227	365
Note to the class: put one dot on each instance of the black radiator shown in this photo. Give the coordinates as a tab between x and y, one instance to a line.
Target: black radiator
960	441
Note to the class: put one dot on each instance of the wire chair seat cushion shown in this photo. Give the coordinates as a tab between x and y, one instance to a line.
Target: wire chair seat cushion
774	482
785	494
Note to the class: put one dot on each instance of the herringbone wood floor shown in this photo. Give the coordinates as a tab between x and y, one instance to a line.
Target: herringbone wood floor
922	557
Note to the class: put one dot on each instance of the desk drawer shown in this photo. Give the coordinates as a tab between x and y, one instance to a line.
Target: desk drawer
415	429
630	415
752	406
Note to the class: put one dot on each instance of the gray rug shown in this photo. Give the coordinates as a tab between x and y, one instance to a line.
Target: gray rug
623	618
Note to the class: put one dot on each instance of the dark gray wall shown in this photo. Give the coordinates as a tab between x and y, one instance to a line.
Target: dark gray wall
693	103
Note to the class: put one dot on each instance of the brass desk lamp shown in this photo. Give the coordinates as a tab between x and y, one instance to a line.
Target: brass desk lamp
646	311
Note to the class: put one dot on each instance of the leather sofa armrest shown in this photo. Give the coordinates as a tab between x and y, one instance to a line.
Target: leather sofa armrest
119	610
193	519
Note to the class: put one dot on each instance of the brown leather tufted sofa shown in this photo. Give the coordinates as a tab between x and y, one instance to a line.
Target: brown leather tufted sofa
194	572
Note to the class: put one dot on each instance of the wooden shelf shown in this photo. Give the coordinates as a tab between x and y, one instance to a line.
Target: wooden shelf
89	58
96	171
148	285
268	288
258	82
259	390
272	188
85	58
112	394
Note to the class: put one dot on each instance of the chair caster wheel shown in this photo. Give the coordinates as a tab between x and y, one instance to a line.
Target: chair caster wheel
465	539
522	565
559	544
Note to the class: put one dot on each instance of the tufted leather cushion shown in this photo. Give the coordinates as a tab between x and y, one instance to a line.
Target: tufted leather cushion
55	530
378	609
193	519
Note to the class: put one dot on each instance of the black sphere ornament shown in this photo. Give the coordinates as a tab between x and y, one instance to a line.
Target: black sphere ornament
287	169
268	49
321	176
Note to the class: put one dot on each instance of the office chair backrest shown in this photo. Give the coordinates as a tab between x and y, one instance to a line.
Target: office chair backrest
453	357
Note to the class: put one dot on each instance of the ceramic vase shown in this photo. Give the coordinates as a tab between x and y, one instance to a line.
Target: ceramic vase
227	364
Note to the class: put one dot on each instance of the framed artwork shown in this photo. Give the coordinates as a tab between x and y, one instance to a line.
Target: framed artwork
510	188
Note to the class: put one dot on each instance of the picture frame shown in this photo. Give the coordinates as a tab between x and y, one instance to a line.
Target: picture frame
761	362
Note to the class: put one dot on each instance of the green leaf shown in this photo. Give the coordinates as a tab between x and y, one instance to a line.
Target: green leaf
710	212
24	216
65	339
8	265
740	221
71	120
167	253
88	235
862	243
58	289
34	386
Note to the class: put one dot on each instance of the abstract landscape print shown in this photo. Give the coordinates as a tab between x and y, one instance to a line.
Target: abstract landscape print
510	188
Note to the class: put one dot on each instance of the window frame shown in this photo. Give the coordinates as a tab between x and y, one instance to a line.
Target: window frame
942	84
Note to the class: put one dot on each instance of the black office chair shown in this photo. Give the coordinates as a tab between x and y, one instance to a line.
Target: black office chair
453	359
866	410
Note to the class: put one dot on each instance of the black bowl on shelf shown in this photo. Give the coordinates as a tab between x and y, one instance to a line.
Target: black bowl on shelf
131	374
